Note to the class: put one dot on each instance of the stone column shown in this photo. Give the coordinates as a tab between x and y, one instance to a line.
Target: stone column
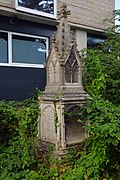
81	39
63	141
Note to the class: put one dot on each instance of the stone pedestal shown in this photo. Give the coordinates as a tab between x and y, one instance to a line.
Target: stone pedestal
60	124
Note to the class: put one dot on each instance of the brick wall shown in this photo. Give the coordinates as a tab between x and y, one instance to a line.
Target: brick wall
7	3
89	13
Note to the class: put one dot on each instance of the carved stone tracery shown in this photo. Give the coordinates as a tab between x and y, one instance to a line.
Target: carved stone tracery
71	69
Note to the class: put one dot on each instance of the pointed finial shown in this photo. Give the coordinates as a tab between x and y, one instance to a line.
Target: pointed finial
64	12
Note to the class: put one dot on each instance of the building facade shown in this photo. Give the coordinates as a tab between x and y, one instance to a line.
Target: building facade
26	27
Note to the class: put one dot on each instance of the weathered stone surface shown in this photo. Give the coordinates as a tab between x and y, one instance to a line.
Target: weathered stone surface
47	124
75	133
64	90
64	64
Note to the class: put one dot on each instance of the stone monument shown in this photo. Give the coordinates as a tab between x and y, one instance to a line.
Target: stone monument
64	91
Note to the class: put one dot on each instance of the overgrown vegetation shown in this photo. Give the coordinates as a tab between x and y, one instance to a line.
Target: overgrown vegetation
18	136
20	156
100	159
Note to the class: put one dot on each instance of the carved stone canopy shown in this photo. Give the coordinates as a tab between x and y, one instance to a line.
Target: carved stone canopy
63	65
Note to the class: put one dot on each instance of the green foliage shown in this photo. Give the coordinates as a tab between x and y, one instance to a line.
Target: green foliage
19	154
18	137
94	77
110	60
102	67
100	158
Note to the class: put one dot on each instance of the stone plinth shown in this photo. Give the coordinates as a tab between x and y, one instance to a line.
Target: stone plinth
56	127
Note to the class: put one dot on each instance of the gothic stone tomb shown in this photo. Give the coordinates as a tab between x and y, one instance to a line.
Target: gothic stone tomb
64	92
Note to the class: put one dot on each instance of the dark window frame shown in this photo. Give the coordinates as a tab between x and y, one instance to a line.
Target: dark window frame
94	39
10	50
42	7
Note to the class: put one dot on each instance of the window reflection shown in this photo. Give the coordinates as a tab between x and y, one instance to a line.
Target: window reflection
93	40
39	5
3	47
28	50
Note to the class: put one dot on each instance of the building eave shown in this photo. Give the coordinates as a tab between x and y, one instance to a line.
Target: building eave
4	11
85	27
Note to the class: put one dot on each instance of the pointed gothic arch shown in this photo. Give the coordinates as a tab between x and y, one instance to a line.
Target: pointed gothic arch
71	69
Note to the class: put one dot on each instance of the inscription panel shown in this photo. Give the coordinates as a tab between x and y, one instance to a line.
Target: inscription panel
48	127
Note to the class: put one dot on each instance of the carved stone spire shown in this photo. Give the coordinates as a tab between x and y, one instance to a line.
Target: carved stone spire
64	66
64	12
63	36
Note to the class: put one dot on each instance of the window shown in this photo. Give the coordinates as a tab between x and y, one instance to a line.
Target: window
3	47
40	7
93	40
22	50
